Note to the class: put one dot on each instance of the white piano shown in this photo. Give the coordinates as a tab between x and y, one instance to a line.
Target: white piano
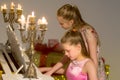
10	71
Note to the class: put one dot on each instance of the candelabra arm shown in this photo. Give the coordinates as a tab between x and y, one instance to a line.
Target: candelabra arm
11	25
41	38
11	17
5	17
18	17
24	38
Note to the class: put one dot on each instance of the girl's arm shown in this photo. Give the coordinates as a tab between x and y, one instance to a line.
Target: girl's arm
91	70
57	68
91	39
54	69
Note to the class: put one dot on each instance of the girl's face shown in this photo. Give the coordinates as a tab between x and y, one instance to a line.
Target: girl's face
72	51
64	23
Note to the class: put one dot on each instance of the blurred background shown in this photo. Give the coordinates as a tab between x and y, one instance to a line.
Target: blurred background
103	15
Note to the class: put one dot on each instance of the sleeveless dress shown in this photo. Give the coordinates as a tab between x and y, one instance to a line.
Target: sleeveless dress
74	70
101	64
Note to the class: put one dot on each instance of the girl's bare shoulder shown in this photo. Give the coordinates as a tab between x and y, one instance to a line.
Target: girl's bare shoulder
87	28
89	63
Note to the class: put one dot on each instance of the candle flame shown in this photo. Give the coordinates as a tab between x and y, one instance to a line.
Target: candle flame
22	21
12	5
32	14
44	21
23	17
5	7
1	8
39	21
19	7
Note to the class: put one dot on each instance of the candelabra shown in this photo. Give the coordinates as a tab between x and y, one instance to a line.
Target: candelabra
26	26
30	27
13	15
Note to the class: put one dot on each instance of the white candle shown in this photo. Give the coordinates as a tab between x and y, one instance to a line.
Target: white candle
12	5
42	21
4	7
19	7
22	21
33	15
39	21
32	18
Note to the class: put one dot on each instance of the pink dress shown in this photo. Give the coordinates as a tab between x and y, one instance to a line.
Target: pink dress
74	70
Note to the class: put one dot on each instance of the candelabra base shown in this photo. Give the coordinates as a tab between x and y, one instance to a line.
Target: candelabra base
31	72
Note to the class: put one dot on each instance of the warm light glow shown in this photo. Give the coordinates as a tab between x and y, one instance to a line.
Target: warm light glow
43	21
32	18
3	7
19	7
22	21
23	18
33	15
12	5
39	21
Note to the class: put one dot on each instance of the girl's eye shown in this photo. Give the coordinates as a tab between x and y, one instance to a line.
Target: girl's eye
61	23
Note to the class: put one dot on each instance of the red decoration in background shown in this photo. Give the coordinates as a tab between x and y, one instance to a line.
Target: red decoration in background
52	42
53	46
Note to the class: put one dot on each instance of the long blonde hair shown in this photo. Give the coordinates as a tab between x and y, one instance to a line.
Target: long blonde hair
69	12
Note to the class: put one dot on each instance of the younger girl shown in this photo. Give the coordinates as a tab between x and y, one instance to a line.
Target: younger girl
81	66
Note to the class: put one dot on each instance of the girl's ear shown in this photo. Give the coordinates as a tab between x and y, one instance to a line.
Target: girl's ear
71	22
79	46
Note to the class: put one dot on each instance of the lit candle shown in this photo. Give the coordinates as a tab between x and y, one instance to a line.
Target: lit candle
12	5
19	9
43	21
1	8
4	8
32	18
33	15
39	21
22	21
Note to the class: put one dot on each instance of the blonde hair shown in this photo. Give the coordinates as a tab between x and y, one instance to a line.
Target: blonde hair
69	12
74	37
